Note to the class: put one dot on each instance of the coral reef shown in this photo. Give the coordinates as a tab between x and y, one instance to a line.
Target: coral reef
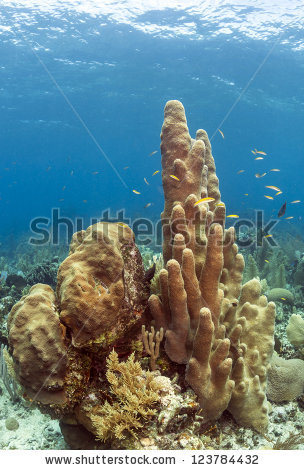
79	351
225	342
36	340
285	379
59	341
280	295
134	394
44	273
295	330
100	287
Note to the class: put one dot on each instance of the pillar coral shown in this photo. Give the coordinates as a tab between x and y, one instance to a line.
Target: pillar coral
222	331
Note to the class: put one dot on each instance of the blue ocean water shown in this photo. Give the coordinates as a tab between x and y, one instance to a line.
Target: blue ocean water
83	86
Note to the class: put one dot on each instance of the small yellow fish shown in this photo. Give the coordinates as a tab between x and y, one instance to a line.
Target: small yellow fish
122	224
283	298
233	216
258	175
147	205
135	192
267	236
252	151
85	201
273	187
222	133
295	202
268	197
145	180
220	204
260	152
155	172
275	169
290	217
266	261
245	194
126	167
95	172
240	171
259	158
205	199
279	192
153	153
174	177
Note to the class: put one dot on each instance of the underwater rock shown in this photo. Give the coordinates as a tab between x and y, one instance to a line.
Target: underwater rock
280	295
285	380
77	437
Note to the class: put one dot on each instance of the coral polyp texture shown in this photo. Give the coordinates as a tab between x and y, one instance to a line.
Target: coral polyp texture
222	331
37	342
218	333
59	341
100	289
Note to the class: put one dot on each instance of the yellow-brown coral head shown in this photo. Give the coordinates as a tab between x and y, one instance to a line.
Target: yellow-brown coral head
100	285
36	342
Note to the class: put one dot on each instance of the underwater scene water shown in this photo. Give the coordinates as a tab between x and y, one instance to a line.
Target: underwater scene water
151	290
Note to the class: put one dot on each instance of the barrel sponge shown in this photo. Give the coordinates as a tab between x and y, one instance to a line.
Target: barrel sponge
36	341
285	379
98	290
295	330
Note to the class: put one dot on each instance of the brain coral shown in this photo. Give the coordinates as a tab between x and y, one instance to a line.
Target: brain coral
36	339
285	379
99	287
101	295
295	330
